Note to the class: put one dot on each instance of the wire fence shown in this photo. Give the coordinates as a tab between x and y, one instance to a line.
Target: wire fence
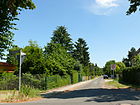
9	81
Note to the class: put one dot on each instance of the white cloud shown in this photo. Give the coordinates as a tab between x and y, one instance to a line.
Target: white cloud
106	3
102	7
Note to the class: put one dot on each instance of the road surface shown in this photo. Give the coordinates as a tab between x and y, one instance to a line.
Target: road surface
91	94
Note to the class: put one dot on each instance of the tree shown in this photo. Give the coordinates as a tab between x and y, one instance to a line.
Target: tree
58	61
131	54
126	62
61	36
136	60
107	69
34	62
13	58
9	9
119	67
134	4
81	52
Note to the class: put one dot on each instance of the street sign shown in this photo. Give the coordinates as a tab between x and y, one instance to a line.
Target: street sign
21	59
113	66
14	52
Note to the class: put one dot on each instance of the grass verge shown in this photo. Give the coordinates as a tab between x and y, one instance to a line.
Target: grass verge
26	93
116	84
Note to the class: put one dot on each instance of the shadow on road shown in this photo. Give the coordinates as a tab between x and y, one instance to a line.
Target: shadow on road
100	95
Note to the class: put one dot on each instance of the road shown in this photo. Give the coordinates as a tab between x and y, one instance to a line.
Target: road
91	94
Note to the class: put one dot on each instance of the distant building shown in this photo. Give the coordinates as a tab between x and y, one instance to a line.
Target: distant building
5	67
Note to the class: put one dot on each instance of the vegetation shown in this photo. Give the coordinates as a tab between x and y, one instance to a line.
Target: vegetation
58	60
81	52
34	61
107	68
128	70
118	70
134	4
8	13
61	36
133	58
131	75
116	84
59	63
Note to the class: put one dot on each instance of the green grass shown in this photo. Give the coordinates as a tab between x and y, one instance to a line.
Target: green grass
116	84
26	93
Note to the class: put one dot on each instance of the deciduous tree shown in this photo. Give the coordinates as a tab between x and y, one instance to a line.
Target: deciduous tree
9	9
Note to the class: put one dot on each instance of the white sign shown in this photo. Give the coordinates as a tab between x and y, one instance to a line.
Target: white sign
113	66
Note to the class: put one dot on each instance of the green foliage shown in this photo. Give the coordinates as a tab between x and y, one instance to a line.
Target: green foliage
75	77
35	81
13	58
28	91
131	75
34	62
8	81
9	9
107	68
57	81
81	52
86	71
97	70
61	36
134	4
58	61
136	60
78	67
133	58
119	67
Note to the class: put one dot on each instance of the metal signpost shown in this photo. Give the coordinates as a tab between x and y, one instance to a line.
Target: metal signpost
21	59
113	67
22	56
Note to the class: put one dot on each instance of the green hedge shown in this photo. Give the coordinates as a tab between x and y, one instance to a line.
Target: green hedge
75	77
57	81
131	75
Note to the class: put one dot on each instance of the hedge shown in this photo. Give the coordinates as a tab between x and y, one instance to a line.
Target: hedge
131	75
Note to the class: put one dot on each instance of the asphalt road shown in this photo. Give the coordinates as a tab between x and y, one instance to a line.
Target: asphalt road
91	94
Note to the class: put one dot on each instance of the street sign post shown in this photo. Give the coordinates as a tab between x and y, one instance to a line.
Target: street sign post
21	59
22	56
113	67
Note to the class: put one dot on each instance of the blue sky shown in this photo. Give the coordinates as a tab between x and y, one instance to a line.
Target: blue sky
108	32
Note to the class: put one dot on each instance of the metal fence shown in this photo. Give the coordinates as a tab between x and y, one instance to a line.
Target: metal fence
9	81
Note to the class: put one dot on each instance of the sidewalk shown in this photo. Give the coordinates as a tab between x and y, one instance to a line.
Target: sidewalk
66	88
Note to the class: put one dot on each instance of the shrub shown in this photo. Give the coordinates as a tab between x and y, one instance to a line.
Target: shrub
8	81
75	77
131	75
28	91
57	81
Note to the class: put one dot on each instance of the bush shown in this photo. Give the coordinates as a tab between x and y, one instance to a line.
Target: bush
75	77
36	81
8	81
131	75
57	81
28	91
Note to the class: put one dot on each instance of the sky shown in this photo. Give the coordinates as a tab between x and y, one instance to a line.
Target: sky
103	24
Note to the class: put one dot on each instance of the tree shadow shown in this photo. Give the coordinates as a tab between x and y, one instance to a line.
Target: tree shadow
99	95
